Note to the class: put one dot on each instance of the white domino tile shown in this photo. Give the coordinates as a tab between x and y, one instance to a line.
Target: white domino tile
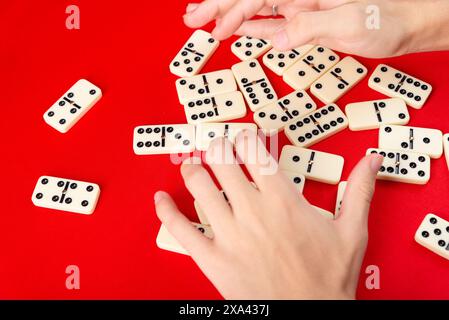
314	165
316	126
412	139
397	84
194	54
72	106
223	107
164	139
66	195
405	167
372	114
433	234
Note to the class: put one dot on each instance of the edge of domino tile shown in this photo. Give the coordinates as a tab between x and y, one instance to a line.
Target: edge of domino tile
446	147
166	241
83	111
340	194
86	213
417	237
324	213
432	156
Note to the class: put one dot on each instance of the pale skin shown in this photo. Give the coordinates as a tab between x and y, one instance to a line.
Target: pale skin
269	242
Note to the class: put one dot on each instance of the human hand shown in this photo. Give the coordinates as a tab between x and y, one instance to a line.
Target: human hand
269	242
405	26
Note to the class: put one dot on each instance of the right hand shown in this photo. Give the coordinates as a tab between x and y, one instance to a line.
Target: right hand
338	24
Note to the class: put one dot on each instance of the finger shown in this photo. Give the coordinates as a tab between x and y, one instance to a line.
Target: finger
180	227
262	29
241	11
228	172
309	28
206	11
359	192
260	164
203	189
192	7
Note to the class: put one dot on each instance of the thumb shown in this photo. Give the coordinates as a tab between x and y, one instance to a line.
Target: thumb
359	192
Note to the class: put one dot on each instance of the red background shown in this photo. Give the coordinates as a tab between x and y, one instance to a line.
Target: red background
126	48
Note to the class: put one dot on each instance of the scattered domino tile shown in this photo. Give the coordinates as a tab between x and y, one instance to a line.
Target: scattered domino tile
411	139
254	84
246	48
310	67
280	61
314	165
433	234
314	127
194	54
206	132
72	106
397	84
166	241
164	139
205	85
273	117
372	114
406	167
446	147
340	193
223	107
297	179
339	80
323	212
66	195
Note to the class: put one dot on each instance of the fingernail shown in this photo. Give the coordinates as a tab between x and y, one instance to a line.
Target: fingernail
280	39
376	162
158	196
192	7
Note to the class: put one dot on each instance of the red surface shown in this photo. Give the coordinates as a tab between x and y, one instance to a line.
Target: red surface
126	49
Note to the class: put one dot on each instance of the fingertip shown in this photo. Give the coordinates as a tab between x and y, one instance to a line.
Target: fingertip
376	161
192	7
160	196
280	40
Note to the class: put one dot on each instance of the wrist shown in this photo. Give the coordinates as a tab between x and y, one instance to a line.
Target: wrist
427	26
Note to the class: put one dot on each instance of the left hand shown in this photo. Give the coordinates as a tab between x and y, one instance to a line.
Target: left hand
269	242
